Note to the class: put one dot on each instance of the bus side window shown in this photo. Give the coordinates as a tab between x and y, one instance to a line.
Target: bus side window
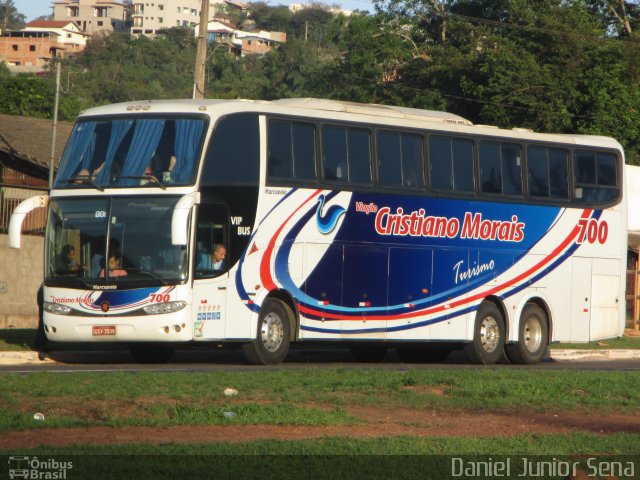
291	151
212	231
233	153
490	172
595	176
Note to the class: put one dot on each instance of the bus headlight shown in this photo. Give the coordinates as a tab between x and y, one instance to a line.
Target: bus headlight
168	307
56	308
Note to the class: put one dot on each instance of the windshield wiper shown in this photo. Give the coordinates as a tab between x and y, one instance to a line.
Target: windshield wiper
150	273
85	179
149	178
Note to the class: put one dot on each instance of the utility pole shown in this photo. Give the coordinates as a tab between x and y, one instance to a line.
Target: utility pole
55	122
201	52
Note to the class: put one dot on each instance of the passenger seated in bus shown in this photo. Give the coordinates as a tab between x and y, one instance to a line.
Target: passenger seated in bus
115	268
213	261
66	263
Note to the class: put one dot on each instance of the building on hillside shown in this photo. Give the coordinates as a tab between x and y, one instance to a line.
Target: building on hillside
242	42
93	16
69	34
149	18
29	52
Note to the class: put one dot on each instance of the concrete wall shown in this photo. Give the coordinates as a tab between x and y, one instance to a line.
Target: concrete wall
21	274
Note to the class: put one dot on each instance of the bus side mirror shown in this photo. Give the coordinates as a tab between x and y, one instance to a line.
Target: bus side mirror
180	218
20	213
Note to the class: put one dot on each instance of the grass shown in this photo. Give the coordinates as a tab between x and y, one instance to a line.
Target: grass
331	458
300	397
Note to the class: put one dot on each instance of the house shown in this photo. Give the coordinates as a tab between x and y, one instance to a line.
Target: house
92	16
29	52
69	34
25	149
240	41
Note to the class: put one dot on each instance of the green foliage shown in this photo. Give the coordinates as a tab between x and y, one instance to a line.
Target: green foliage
554	66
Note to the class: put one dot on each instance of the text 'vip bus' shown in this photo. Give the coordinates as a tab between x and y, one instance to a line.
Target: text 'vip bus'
259	224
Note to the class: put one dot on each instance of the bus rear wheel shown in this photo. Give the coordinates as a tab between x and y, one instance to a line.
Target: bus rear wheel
533	337
274	331
488	336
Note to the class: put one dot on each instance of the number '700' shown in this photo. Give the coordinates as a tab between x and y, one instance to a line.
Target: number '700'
159	297
592	230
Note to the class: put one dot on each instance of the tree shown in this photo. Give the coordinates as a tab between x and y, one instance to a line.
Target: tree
10	17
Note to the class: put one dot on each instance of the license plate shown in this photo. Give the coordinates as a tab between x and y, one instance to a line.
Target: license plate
101	330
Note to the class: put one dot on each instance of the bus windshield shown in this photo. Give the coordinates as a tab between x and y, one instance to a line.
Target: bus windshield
128	152
115	240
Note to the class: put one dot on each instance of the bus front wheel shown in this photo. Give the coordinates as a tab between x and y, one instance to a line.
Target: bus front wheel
274	331
488	336
533	337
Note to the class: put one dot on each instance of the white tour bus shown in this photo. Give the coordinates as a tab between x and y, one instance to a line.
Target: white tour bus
258	224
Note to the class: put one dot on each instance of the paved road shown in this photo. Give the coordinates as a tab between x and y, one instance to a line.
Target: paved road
299	357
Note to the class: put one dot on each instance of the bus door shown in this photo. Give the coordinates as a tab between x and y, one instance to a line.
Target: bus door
211	267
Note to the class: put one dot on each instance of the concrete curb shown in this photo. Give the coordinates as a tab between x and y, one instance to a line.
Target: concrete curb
36	358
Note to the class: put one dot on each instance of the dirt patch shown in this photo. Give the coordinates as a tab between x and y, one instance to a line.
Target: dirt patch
376	422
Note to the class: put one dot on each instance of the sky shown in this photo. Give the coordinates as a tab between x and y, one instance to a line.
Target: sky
35	8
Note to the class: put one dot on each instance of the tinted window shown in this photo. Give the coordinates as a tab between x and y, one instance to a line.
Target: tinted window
451	164
291	150
359	156
233	155
595	176
500	168
400	160
346	154
547	173
463	166
280	156
389	159
490	171
304	149
440	161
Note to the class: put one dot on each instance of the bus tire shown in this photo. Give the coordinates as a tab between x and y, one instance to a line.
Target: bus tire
533	337
368	353
274	331
488	336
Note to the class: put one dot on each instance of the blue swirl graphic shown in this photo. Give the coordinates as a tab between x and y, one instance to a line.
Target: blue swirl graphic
327	222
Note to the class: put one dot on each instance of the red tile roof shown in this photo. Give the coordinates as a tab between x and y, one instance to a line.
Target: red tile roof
48	23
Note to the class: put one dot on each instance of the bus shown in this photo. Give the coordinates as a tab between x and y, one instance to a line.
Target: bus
257	224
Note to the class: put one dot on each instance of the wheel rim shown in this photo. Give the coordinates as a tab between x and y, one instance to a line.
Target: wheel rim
532	334
489	334
272	332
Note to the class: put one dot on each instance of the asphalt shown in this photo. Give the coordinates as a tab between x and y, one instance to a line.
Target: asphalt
36	358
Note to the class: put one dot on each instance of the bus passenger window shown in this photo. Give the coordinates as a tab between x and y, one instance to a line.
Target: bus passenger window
304	151
280	156
490	172
538	179
451	163
547	173
595	176
389	159
463	166
334	153
412	162
359	156
512	169
440	161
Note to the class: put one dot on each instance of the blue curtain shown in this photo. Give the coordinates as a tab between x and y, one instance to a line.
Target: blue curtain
143	144
78	147
188	133
119	129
